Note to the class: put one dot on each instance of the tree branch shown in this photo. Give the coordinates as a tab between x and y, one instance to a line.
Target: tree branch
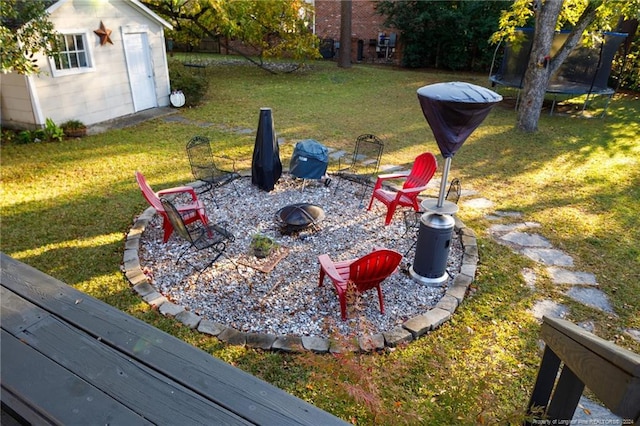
587	17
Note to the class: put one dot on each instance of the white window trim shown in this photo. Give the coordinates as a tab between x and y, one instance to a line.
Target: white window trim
55	72
134	29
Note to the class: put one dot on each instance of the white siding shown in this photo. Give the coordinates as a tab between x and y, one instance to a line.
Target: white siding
16	108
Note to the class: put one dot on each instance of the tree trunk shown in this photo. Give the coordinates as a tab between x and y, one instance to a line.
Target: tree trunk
344	55
536	78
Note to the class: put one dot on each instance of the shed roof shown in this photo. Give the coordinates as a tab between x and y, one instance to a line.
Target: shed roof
135	3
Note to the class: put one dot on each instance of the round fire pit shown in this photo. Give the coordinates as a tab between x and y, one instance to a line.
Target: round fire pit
297	217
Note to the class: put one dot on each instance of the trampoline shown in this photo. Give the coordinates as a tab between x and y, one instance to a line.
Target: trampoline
585	71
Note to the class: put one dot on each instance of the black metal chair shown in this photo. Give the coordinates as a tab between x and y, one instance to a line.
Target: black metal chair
364	165
204	168
455	189
212	237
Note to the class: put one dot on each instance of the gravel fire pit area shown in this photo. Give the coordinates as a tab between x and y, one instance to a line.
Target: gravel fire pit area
279	295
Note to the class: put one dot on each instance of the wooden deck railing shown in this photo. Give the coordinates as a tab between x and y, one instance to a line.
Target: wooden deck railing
574	358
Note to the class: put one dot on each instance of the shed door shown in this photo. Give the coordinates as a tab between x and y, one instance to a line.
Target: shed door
136	49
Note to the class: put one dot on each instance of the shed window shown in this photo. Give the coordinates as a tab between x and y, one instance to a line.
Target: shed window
74	56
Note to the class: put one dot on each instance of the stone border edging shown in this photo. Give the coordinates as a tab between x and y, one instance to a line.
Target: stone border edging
410	330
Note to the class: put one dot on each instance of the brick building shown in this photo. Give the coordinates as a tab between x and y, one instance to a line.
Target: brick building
370	40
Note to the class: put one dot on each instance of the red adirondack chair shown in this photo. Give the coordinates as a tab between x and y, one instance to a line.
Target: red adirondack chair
190	212
366	273
424	167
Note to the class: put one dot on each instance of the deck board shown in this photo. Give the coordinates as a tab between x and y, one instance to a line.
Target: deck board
60	397
124	379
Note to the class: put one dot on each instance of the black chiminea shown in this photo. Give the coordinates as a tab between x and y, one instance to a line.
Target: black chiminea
453	110
266	167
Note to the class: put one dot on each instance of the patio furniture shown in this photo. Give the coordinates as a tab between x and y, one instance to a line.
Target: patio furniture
364	164
454	192
204	167
415	181
362	274
211	237
189	213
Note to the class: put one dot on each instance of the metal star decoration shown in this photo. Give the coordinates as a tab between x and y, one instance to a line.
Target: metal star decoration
104	34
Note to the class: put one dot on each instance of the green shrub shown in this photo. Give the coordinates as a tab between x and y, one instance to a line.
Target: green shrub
51	132
261	245
442	34
193	85
28	136
9	136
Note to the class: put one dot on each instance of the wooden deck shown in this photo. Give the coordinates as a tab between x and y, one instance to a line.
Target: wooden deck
68	358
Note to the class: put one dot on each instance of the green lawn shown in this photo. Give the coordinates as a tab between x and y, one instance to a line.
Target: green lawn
66	208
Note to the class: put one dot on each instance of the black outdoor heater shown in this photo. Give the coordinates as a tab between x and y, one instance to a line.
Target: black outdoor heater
453	110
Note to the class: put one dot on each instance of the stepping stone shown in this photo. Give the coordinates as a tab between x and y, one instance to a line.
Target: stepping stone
507	214
508	227
337	154
400	170
591	297
260	340
388	168
549	308
288	344
551	257
590	413
372	342
564	276
361	157
530	277
315	344
432	184
635	334
176	119
435	183
525	239
590	326
479	203
505	227
210	327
